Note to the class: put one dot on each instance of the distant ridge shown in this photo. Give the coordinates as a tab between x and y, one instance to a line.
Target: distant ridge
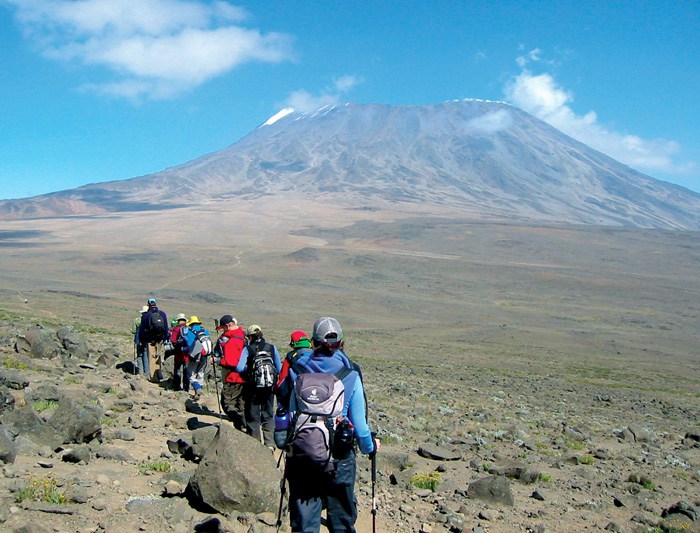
483	158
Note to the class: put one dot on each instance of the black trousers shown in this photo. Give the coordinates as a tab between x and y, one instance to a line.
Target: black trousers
260	414
233	403
311	490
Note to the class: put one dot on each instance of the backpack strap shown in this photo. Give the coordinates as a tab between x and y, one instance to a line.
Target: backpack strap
343	373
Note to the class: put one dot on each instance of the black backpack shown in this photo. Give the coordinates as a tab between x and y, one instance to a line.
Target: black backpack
262	372
155	326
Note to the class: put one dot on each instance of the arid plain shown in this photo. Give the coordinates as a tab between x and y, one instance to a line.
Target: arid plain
443	313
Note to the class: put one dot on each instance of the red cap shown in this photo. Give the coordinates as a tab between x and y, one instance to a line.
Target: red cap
298	335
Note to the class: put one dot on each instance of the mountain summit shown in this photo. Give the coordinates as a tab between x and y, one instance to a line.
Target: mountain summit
485	158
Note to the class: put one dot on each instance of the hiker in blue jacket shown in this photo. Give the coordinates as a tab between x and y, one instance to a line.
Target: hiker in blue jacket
332	488
153	333
198	354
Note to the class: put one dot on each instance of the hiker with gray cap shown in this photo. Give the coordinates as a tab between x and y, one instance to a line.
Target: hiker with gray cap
263	367
327	418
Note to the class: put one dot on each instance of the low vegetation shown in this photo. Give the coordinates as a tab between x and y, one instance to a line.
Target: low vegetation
41	489
159	465
429	481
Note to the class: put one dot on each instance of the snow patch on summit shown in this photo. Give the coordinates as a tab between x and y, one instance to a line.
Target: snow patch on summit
278	116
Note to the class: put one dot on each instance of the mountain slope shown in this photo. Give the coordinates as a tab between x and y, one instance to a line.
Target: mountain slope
485	158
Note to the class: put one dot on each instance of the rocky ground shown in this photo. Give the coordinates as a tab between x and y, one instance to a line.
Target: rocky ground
87	447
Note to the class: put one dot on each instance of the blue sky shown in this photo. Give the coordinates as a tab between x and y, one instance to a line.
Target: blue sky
101	90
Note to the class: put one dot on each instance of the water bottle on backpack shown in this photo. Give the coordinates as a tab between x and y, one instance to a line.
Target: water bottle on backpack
283	420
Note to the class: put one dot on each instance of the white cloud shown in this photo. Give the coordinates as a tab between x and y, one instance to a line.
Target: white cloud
491	122
541	95
305	102
155	48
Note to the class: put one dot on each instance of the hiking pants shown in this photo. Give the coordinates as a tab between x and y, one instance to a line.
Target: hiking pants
310	491
196	370
155	360
142	360
260	414
181	374
233	403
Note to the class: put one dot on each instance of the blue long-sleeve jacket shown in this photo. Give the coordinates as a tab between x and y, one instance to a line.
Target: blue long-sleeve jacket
354	407
192	340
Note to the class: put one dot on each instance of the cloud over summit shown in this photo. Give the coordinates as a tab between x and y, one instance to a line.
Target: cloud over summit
542	96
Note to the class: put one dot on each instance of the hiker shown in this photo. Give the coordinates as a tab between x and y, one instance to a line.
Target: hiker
262	368
181	374
232	359
141	365
300	345
325	478
198	347
153	333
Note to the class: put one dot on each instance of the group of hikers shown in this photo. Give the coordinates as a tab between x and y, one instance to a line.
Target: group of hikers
321	413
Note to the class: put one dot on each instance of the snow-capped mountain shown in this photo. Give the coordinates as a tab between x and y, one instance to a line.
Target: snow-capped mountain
481	157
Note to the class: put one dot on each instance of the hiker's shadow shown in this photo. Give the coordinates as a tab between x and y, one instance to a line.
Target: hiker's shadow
194	407
128	367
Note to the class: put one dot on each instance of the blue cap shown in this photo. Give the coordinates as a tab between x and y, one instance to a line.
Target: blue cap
151	301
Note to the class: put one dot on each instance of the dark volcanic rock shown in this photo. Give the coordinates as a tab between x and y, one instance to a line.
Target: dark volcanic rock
495	490
236	474
77	420
74	342
38	342
439	453
13	379
77	454
26	421
8	450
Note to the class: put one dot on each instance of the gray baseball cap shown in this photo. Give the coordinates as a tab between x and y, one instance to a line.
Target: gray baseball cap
327	329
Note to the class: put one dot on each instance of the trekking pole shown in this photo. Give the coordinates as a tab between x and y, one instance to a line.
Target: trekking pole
373	459
283	490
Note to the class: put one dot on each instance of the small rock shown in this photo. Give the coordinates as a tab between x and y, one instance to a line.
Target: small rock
439	453
126	434
99	505
77	455
173	488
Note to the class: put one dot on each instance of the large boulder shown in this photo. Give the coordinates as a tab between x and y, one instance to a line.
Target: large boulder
8	450
73	342
7	399
39	342
26	422
12	379
77	420
494	490
237	473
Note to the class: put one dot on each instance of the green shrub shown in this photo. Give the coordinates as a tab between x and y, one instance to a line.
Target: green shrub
586	460
159	465
42	405
41	489
426	481
545	478
575	444
108	422
11	362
